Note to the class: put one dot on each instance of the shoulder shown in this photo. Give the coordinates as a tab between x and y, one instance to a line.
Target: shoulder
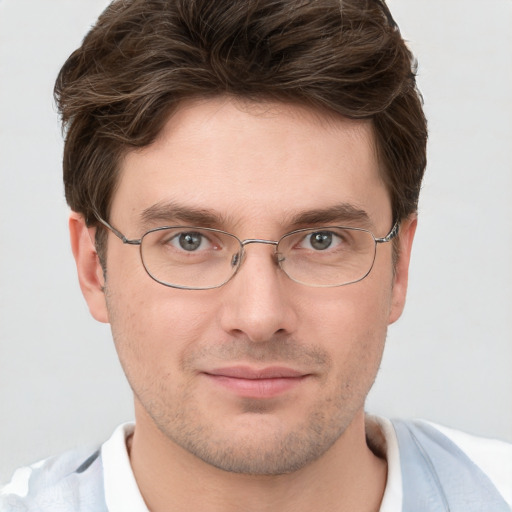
455	462
493	456
68	483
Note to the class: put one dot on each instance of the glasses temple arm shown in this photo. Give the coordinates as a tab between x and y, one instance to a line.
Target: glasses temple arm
392	234
116	232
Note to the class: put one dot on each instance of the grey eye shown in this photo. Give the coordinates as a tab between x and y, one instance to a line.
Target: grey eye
321	240
190	241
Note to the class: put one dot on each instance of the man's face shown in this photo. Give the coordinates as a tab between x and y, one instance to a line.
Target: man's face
262	375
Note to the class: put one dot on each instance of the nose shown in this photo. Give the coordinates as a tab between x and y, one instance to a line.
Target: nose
257	303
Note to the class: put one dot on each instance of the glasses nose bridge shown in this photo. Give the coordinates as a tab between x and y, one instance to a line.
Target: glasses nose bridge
248	241
239	259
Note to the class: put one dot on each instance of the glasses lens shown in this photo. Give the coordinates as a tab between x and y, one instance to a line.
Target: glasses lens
188	257
327	256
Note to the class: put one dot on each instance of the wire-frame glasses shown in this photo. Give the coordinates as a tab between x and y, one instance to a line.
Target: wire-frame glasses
196	258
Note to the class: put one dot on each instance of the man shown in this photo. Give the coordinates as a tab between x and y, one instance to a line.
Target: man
244	178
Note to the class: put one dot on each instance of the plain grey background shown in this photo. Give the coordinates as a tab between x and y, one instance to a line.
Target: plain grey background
449	359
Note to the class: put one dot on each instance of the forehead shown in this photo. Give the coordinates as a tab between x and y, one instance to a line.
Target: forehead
248	160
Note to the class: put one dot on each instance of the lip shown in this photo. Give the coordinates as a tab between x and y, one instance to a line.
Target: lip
249	382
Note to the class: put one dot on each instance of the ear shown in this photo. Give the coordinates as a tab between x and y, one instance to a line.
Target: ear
90	273
401	277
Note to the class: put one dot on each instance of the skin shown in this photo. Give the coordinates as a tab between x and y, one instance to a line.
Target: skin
201	444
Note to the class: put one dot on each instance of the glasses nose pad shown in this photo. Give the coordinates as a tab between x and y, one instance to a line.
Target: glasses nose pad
279	258
236	260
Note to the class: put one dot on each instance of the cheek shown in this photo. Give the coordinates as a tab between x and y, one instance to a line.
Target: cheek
153	326
348	312
350	323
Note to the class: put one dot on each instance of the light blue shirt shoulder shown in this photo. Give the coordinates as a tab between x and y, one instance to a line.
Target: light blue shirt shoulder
437	476
72	482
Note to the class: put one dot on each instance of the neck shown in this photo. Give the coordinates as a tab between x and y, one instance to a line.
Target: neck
348	477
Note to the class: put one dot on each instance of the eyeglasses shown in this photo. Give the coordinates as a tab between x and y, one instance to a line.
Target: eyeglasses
195	258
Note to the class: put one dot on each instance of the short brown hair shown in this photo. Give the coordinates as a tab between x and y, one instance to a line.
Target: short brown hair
143	57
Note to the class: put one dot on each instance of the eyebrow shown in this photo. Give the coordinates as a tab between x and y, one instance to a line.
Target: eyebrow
170	212
344	213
